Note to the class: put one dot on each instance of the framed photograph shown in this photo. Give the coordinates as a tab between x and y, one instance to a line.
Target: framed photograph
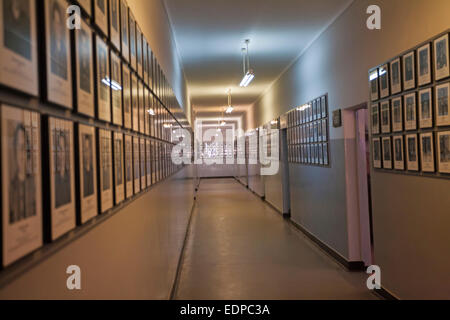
441	58
397	115
139	50
128	166
314	110
18	45
396	81
119	180
148	102
141	107
85	70
105	167
410	112
134	102
116	89
144	60
310	112
375	118
132	38
58	69
103	81
136	162
62	181
86	6
150	66
427	152
384	81
412	154
424	65
444	151
320	153
323	102
373	81
101	15
376	153
142	164
87	174
442	102
21	183
148	162
409	74
399	160
387	153
326	160
127	96
114	23
324	130
385	117
425	108
124	34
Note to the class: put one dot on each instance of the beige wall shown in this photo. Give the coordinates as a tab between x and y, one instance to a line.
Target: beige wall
411	246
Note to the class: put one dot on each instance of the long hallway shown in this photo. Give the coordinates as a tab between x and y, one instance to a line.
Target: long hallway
238	247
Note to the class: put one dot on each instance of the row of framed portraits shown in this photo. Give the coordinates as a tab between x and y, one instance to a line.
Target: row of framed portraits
313	132
425	108
80	69
57	174
311	111
413	152
419	67
309	154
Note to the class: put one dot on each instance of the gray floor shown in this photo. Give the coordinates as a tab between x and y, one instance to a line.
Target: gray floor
240	248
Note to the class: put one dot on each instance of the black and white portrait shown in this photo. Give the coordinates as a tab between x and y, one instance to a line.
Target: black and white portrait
375	119
132	30
114	23
409	80
425	111
88	165
385	117
384	81
442	104
62	177
105	154
441	57
397	121
103	81
395	76
399	163
376	153
118	147
103	73
17	27
444	151
58	40
84	56
427	152
423	61
412	153
115	15
128	161
387	153
116	77
136	164
101	18
84	67
410	112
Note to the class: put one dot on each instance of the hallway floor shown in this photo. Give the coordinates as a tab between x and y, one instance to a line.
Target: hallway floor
238	247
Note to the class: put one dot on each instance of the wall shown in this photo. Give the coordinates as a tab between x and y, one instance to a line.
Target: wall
152	17
411	242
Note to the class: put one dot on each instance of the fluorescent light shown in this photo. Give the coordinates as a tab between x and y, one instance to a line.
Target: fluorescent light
229	109
112	84
247	78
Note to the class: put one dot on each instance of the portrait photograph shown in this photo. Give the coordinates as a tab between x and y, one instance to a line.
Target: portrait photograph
424	65
144	60
126	91
85	70
116	89
148	162
409	74
444	151
86	6
132	38
135	102
129	181
320	153
410	112
119	179
21	183
384	81
148	103
153	159
139	50
412	152
442	104
314	110
62	181
124	34
399	160
427	152
105	168
373	81
103	81
397	115
425	108
375	119
114	23
88	173
59	71
142	163
396	81
376	153
441	58
385	117
323	101
387	153
136	166
18	45
101	15
141	107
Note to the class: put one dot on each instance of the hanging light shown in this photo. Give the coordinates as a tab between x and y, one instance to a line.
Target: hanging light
249	75
229	108
223	123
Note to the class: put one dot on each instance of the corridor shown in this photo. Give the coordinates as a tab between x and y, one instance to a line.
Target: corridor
238	247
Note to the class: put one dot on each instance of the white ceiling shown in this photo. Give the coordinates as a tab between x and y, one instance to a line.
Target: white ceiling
210	34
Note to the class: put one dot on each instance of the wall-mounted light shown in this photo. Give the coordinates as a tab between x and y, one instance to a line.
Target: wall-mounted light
249	75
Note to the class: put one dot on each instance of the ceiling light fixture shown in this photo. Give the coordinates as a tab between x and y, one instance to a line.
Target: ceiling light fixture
223	123
229	108
248	73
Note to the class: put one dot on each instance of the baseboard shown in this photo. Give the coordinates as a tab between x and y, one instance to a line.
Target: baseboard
349	265
385	294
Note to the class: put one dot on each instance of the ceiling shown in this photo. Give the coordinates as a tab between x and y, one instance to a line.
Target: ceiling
210	34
